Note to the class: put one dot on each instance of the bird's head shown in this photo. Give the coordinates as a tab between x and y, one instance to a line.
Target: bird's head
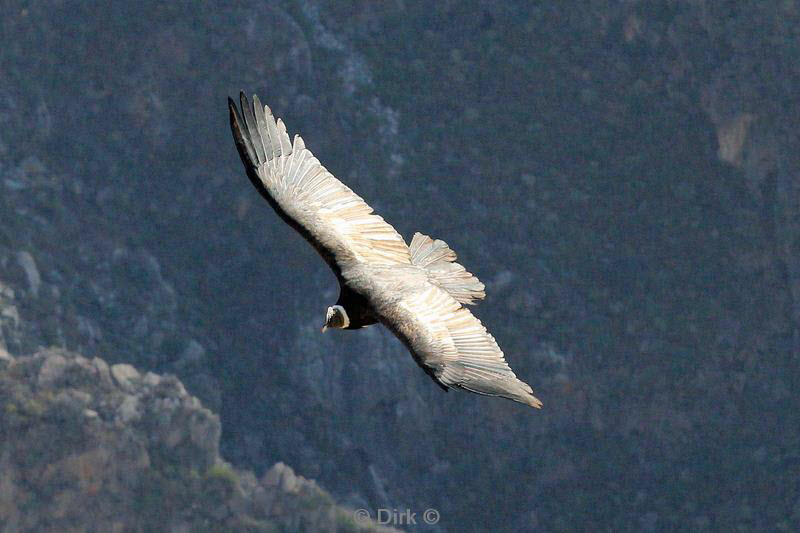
336	318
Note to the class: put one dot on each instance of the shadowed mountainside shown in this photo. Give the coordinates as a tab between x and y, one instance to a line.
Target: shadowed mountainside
622	176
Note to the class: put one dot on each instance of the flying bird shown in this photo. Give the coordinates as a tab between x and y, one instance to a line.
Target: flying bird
417	291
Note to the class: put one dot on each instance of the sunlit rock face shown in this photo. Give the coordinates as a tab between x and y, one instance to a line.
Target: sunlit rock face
91	446
731	136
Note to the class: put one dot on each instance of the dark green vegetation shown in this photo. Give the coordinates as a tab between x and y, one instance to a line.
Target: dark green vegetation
622	176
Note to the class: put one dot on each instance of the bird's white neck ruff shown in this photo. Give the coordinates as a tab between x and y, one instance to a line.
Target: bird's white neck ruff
345	318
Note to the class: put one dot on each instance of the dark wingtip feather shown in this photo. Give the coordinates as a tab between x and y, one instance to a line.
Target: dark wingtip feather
251	127
244	145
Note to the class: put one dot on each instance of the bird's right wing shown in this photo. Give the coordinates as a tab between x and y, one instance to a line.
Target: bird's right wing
453	347
335	220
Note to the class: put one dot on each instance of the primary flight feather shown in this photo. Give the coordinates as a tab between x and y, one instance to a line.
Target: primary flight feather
416	291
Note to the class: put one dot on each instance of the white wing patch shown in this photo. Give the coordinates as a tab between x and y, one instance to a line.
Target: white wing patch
460	350
318	201
432	309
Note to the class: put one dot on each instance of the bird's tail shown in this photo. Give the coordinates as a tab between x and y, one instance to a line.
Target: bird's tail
440	262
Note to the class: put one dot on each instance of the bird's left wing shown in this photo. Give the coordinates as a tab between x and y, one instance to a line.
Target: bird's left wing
335	220
453	347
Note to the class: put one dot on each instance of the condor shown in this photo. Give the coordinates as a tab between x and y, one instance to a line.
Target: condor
418	291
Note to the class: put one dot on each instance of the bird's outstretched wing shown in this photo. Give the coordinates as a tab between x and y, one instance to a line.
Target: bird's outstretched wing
453	347
335	220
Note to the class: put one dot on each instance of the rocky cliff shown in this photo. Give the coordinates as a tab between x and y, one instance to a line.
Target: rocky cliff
85	446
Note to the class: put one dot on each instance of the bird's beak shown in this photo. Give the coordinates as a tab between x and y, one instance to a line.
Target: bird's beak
324	328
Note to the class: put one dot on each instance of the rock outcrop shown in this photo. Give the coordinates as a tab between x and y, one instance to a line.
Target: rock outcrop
88	446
